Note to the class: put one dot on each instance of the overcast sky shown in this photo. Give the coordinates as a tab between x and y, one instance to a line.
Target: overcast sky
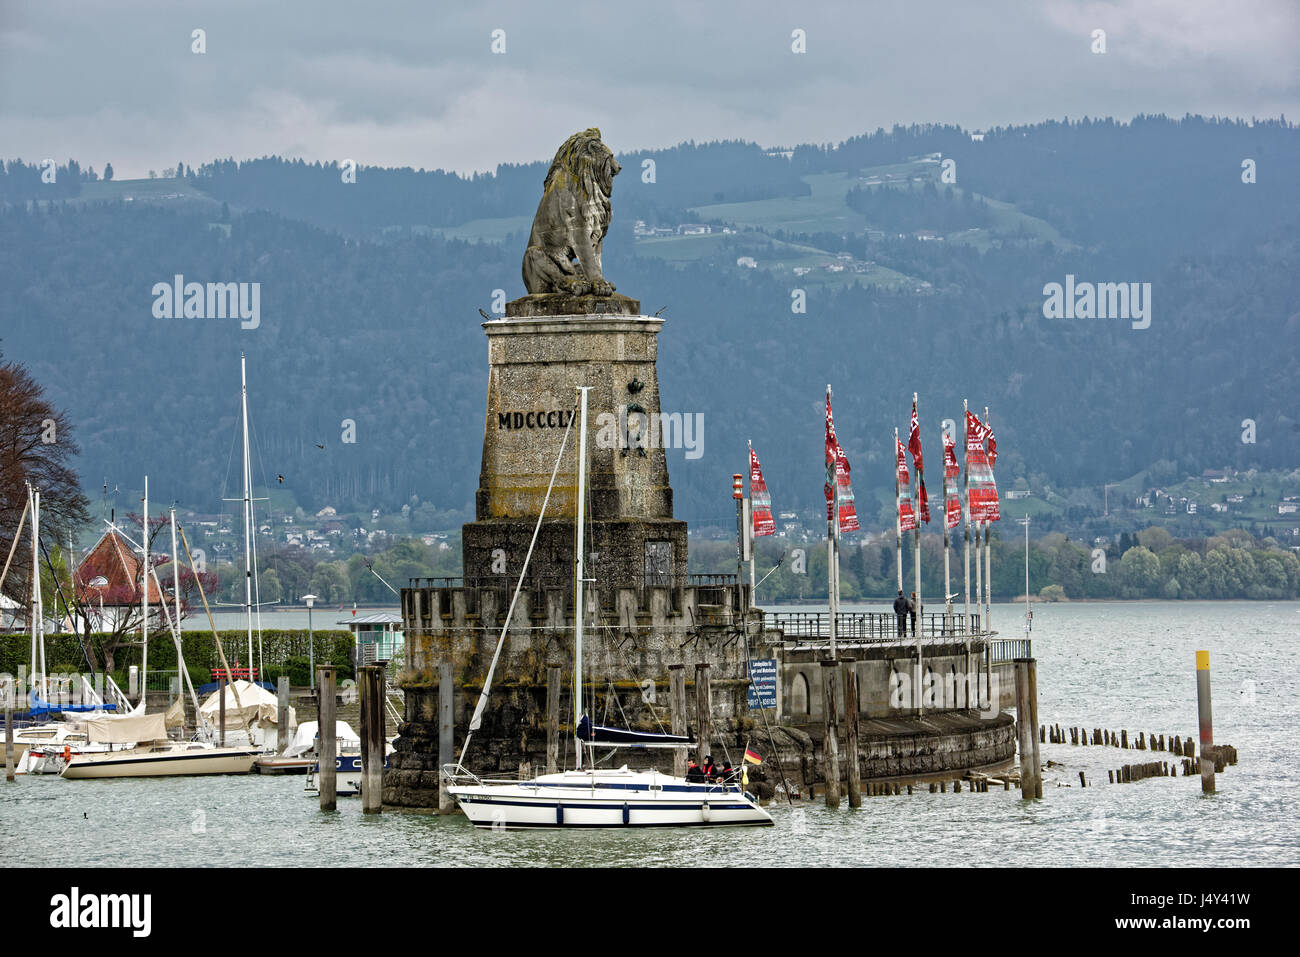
416	83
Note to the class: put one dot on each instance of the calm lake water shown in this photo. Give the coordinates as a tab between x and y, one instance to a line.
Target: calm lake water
1120	666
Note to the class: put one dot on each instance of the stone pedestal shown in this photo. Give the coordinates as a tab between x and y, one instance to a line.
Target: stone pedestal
538	357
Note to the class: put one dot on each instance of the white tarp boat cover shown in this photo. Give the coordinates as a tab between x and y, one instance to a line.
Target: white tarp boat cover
305	738
126	728
260	707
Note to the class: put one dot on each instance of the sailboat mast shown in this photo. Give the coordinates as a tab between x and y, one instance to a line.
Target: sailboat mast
38	610
248	506
176	568
144	592
579	571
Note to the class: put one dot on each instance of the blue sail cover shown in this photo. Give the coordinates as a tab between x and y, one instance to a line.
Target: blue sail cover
37	707
598	734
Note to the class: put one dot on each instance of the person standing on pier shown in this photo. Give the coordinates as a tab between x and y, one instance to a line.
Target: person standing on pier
900	612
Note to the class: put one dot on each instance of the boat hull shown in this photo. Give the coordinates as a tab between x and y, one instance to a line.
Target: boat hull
606	799
125	764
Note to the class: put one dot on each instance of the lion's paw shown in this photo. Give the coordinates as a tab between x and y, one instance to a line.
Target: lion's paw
600	287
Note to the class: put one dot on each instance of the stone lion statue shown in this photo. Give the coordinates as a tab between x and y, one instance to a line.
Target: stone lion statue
563	253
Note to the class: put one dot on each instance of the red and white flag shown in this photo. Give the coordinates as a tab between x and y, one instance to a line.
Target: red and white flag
951	471
982	492
906	517
914	442
760	502
914	446
837	477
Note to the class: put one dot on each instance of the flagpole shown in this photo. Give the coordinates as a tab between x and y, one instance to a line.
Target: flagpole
947	580
749	530
919	626
988	557
832	553
965	511
898	518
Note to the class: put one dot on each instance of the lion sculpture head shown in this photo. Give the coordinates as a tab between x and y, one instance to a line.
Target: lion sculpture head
563	253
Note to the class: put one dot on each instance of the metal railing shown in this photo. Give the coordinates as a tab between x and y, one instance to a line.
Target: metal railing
510	581
871	626
1002	650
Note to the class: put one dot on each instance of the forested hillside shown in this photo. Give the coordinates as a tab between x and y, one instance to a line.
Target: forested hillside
367	314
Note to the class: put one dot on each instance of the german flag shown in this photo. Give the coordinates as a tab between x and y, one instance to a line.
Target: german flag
752	756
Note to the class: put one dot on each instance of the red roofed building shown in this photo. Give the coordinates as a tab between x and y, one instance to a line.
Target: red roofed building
115	561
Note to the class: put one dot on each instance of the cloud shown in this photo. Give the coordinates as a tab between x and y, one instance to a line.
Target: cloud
407	83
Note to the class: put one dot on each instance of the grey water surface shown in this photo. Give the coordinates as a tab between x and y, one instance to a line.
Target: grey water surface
1127	666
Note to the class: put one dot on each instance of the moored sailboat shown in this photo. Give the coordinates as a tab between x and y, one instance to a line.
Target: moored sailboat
592	797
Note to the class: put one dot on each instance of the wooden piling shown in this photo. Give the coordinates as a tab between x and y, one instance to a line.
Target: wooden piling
1083	782
553	692
1025	726
282	713
9	741
326	750
831	743
1110	777
446	733
934	788
1123	740
372	739
1205	718
703	711
851	732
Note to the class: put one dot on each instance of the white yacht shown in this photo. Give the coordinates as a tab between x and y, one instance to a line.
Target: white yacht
593	797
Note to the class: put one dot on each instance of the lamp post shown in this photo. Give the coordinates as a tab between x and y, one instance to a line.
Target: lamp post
311	639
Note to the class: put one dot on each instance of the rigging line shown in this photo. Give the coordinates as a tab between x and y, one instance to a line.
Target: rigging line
68	607
523	573
270	517
785	785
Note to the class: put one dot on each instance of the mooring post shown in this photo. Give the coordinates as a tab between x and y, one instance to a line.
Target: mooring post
1033	711
677	707
1206	720
702	710
851	732
372	739
221	704
446	731
326	750
552	719
9	739
1025	721
282	713
831	744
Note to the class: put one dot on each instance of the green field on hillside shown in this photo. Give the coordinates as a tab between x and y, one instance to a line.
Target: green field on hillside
159	191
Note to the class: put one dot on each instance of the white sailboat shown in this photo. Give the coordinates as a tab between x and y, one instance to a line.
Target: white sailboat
592	797
138	743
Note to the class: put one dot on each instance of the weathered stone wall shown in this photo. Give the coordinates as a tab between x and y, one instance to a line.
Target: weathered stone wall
536	365
940	746
952	678
634	635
